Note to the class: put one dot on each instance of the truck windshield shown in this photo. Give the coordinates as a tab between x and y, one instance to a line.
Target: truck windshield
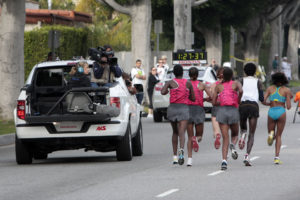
49	77
170	74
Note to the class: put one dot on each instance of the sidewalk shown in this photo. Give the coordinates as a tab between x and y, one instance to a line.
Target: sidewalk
7	139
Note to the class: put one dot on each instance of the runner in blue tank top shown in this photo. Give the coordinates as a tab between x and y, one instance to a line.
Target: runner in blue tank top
279	96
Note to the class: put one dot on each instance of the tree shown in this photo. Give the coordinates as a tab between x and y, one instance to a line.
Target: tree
183	22
140	13
163	10
12	22
109	26
207	21
253	31
292	17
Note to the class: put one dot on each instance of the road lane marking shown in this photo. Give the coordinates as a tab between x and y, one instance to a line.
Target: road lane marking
167	193
216	173
254	158
283	146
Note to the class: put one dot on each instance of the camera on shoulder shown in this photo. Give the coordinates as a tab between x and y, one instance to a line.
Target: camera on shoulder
97	53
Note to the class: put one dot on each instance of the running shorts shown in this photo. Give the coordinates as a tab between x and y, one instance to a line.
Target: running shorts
197	114
177	112
248	109
228	115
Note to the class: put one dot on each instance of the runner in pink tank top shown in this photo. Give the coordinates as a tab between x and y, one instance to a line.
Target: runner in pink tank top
230	94
215	124
228	97
198	93
197	114
178	110
181	93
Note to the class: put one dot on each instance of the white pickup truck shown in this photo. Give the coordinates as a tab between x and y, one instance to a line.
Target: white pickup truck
49	116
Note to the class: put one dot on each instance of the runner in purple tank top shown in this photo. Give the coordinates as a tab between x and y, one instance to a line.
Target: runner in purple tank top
178	112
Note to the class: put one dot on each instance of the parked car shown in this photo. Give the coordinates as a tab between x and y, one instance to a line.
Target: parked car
50	117
161	102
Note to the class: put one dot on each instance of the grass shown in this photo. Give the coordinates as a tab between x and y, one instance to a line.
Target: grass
294	83
7	127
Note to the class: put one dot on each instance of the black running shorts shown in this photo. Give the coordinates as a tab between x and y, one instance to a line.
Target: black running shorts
248	109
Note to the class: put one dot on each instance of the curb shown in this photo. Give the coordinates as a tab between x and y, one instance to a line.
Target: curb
7	139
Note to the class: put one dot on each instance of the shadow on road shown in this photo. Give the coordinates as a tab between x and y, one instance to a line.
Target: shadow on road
79	160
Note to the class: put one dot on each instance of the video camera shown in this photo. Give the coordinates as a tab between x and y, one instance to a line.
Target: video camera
97	53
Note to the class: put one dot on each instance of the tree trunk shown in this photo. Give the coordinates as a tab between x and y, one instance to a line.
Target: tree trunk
140	33
274	43
12	22
213	44
252	37
292	51
182	15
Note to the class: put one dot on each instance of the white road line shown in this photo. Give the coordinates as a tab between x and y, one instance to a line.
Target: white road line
283	146
254	158
216	173
167	193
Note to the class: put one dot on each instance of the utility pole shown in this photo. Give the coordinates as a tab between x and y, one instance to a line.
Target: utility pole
231	48
157	29
279	38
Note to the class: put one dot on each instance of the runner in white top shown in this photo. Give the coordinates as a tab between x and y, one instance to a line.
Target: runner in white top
249	109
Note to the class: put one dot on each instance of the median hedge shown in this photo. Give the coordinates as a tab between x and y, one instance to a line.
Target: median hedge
73	42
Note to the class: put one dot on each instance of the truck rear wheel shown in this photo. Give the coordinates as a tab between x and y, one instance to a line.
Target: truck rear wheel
157	116
124	148
23	153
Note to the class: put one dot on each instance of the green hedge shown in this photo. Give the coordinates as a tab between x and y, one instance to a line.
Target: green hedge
73	42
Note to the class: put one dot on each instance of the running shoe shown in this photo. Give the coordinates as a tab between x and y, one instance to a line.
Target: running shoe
175	160
271	138
224	165
181	156
234	153
242	141
217	141
247	160
189	162
277	161
195	144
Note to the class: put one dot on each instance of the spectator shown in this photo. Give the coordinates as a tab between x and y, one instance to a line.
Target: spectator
80	77
152	80
128	83
275	64
49	58
138	76
286	68
161	70
214	65
103	74
166	66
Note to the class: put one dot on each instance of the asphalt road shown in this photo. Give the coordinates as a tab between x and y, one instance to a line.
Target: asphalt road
91	175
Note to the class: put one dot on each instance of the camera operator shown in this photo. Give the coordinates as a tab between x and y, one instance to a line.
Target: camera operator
79	76
113	62
103	73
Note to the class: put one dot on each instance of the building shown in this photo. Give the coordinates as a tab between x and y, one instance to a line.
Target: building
35	18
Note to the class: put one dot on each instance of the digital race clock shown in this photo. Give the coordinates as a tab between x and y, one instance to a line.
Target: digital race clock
193	56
